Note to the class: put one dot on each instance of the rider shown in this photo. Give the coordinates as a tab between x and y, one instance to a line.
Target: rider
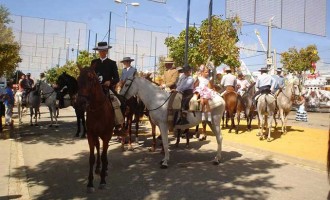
107	71
42	78
22	87
279	81
171	75
264	84
185	86
128	70
242	84
228	81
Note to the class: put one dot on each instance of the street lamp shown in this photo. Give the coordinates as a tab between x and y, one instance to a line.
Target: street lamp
126	5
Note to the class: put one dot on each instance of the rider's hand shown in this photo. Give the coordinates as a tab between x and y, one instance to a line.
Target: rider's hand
107	83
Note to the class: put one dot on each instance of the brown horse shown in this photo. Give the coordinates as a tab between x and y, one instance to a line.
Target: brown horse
100	122
234	106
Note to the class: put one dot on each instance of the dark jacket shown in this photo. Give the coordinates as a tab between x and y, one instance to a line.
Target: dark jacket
106	71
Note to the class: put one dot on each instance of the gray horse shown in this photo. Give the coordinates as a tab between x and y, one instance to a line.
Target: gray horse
266	109
50	100
249	108
33	102
285	99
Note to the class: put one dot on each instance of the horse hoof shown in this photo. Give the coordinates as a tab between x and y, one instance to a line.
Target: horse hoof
216	162
163	166
130	148
151	149
97	171
50	125
102	186
36	125
90	189
268	140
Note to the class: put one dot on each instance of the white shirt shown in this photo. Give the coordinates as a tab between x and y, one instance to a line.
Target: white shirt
242	86
228	80
264	80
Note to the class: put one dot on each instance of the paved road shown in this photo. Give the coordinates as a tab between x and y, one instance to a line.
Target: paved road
49	163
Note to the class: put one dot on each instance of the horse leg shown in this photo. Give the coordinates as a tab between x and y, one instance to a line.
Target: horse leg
217	131
78	125
129	123
187	137
83	121
51	116
137	121
154	141
238	121
98	160
31	114
282	120
178	135
91	143
270	120
164	133
104	163
203	132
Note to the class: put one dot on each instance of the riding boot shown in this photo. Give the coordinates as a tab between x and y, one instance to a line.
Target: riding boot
183	120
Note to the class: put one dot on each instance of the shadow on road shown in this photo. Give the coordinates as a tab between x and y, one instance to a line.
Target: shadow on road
136	174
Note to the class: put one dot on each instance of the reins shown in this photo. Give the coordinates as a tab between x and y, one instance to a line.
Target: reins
162	104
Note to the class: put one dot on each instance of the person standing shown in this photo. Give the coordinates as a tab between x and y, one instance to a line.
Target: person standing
128	70
228	81
107	72
171	75
9	104
301	114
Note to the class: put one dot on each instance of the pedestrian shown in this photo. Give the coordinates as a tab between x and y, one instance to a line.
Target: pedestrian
171	75
9	104
301	114
107	72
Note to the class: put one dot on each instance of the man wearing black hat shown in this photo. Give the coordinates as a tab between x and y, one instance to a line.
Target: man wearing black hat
107	71
264	84
105	68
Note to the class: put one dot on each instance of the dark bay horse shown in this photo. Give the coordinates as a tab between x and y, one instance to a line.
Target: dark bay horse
233	106
100	122
65	80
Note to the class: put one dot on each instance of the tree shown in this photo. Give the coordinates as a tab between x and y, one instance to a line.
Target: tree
70	67
300	61
223	39
9	49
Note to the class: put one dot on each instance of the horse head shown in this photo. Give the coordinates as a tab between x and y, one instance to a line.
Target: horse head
88	84
69	81
128	89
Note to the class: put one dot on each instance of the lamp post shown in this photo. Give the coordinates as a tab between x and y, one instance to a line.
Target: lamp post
126	8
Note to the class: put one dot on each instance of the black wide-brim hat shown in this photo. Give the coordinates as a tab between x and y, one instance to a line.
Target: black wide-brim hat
263	69
102	46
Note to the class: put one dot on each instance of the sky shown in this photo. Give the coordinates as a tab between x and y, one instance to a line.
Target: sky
170	18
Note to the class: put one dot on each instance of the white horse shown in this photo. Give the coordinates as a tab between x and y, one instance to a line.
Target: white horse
285	99
18	100
266	109
50	100
156	101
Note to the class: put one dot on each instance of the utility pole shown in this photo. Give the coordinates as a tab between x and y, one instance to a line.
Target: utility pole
269	58
187	33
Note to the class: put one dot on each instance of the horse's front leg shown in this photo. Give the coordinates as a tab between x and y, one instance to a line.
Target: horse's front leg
164	133
104	163
78	126
153	133
91	143
178	135
129	123
98	160
238	121
270	121
282	120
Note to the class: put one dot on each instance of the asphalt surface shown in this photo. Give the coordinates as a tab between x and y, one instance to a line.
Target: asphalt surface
49	163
